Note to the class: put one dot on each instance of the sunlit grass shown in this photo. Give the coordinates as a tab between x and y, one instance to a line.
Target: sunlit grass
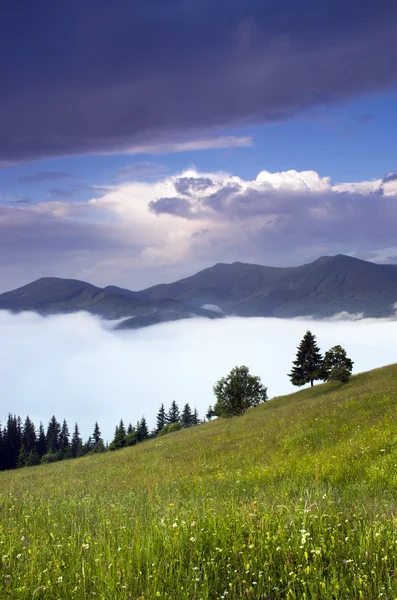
296	499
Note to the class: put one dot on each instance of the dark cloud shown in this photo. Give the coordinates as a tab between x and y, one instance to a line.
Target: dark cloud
390	177
43	176
29	237
61	192
189	185
217	201
21	201
93	76
178	207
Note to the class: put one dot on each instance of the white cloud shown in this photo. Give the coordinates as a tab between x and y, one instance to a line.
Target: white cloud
75	367
189	145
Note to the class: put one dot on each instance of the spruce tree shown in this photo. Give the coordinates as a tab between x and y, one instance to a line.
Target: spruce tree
142	430
187	417
41	441
64	445
161	419
173	415
195	417
53	435
12	441
76	446
119	440
96	439
308	365
28	455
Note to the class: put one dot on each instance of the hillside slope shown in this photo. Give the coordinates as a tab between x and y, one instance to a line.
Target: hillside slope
295	499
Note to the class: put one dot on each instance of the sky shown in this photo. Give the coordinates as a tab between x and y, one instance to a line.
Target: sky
76	367
143	141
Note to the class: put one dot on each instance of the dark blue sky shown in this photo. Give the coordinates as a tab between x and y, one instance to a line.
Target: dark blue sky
103	104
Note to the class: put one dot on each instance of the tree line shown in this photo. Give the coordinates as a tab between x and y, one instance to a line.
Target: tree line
23	445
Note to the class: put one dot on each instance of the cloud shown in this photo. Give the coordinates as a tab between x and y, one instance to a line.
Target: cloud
140	233
81	370
61	192
191	145
44	176
169	71
171	206
186	186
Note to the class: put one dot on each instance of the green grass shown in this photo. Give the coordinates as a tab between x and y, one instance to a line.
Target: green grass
297	499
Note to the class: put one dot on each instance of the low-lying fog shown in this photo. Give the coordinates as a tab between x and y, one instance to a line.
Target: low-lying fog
77	368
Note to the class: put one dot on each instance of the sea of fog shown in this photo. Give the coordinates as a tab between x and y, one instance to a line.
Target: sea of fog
78	368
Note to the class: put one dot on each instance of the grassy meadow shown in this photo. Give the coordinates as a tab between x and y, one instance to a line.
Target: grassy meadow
297	499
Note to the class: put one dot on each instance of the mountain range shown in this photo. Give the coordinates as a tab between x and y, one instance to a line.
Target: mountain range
323	288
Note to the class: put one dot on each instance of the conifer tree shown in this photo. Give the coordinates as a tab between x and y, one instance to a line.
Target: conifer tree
76	446
53	435
1	449
173	415
131	438
96	439
195	417
41	441
28	455
142	430
64	444
12	441
161	419
308	365
187	417
119	440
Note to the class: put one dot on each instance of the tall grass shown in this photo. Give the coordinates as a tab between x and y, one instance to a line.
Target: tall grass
296	499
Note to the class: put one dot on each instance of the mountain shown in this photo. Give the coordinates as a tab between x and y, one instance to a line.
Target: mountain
329	285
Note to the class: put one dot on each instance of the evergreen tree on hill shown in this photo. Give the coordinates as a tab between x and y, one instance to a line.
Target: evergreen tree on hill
187	416
28	455
195	417
308	365
12	441
120	437
76	446
64	445
41	445
173	415
53	435
97	444
142	430
161	419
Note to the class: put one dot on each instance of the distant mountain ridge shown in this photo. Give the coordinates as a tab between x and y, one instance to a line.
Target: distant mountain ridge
327	286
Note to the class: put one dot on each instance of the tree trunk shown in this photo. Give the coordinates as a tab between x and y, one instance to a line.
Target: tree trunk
311	383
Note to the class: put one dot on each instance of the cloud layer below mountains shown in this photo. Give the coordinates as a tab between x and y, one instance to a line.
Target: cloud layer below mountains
77	368
138	233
